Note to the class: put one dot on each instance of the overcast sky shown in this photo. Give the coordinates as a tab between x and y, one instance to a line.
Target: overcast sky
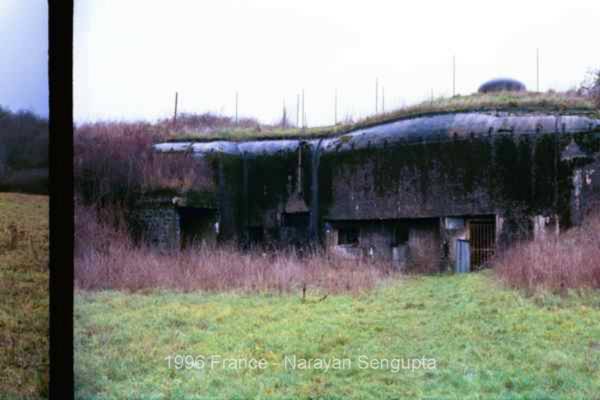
131	56
24	55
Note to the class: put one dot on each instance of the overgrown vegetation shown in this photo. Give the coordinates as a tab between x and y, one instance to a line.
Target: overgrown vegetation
24	294
591	87
488	342
208	127
106	258
556	264
23	152
424	255
114	163
573	101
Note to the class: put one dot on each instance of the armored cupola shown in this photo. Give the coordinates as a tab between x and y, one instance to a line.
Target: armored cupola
502	84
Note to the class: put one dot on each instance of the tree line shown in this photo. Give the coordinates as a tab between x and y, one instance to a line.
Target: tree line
23	152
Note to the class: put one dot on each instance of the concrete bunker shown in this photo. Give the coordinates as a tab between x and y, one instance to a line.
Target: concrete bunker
421	188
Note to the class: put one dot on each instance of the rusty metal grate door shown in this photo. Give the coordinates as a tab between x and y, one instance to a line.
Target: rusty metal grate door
482	241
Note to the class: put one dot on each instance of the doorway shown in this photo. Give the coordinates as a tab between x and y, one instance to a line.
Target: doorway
482	243
197	226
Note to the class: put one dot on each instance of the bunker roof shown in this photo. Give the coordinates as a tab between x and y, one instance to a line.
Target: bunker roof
434	128
516	102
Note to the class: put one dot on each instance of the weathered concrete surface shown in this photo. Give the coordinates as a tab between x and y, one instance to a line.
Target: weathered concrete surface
156	222
264	147
511	165
436	127
461	125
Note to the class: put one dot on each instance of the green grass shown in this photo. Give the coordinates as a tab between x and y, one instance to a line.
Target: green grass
488	342
24	297
500	101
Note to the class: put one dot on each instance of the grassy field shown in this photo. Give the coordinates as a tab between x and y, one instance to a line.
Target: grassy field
479	340
24	296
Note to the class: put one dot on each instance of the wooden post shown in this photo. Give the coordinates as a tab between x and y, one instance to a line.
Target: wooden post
303	111
453	76
284	116
537	68
236	108
175	113
297	110
376	95
335	108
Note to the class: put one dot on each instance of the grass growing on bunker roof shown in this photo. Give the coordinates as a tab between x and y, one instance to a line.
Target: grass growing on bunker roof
552	102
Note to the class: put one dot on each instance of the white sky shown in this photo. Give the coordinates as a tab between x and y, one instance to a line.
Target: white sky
131	56
24	55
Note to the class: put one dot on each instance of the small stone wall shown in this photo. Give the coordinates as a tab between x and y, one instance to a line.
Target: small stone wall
158	226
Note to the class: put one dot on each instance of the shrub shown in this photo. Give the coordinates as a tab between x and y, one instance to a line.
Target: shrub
208	122
34	180
115	162
555	264
591	87
424	255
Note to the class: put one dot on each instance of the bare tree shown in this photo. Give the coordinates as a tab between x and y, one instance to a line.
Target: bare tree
591	86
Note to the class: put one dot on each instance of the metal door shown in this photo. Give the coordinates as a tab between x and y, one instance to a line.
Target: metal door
463	256
482	240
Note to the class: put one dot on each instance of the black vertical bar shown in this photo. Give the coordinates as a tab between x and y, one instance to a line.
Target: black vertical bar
60	74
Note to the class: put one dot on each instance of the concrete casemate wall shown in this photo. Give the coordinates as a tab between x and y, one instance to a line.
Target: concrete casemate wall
504	164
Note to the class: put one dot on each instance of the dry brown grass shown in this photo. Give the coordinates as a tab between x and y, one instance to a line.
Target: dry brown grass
570	261
24	294
105	258
424	255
